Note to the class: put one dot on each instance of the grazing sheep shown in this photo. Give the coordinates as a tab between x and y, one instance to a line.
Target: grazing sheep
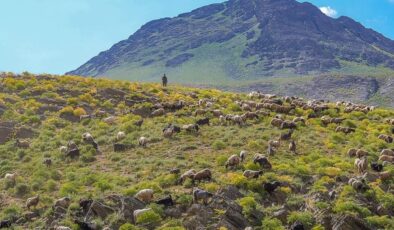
10	177
199	194
361	164
191	128
273	143
345	130
175	171
73	153
288	125
84	117
375	166
167	201
168	133
239	120
202	122
86	225
233	161
5	224
286	136
120	136
251	115
299	119
270	187
252	174
22	144
358	184
188	174
387	152
145	195
276	122
158	112
262	161
387	175
204	174
352	152
386	138
88	138
62	228
217	113
62	202
137	213
143	141
63	149
271	150
47	162
139	123
32	201
200	112
293	147
110	120
297	226
242	155
361	153
71	145
387	158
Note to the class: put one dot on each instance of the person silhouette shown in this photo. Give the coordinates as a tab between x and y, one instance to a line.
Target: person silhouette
164	80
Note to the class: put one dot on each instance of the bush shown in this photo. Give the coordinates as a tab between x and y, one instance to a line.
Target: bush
306	218
148	217
128	226
21	190
218	145
272	224
79	112
248	204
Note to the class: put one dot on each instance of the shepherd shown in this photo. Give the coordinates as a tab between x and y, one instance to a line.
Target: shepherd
164	80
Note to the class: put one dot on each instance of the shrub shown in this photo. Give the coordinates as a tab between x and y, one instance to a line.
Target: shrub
79	112
148	217
21	190
272	224
306	218
218	145
248	204
128	226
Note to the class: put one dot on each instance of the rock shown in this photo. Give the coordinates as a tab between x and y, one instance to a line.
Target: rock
281	214
69	117
173	212
98	209
6	131
25	133
349	223
371	176
230	192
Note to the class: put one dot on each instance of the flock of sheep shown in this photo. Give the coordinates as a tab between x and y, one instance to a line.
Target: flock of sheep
258	105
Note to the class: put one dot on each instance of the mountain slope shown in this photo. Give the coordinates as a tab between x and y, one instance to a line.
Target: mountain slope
243	40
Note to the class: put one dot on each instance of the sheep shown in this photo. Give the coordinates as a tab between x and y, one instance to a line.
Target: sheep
271	150
297	226
288	125
345	130
139	123
270	187
299	119
200	112
62	202
62	228
222	119
387	158
188	174
352	152
242	155
361	164
32	202
202	122
239	120
120	136
286	136
88	138
10	177
168	133
143	141
252	174
262	161
360	153
47	162
84	117
22	144
191	128
199	194
71	145
110	120
273	143
175	171
5	224
387	152
158	112
386	138
276	122
204	174
145	195
233	161
293	147
73	153
138	212
246	107
86	225
387	175
217	113
167	201
63	149
376	166
358	184
251	115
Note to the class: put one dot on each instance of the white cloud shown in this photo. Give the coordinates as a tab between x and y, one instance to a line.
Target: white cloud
330	12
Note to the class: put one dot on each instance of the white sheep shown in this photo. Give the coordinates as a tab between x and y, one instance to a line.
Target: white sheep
10	177
145	195
243	155
120	136
110	120
143	141
63	149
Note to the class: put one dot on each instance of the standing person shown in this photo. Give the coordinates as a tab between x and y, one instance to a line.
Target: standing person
164	80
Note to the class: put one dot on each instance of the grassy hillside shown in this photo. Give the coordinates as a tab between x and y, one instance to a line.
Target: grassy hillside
45	110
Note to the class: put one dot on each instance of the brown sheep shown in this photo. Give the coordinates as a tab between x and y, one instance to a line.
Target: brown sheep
352	152
276	122
288	125
262	161
32	201
386	138
188	174
293	147
205	174
233	161
158	112
168	133
200	112
47	162
299	119
273	143
387	158
345	130
217	113
361	164
110	120
22	144
242	155
361	153
145	195
252	174
387	152
62	202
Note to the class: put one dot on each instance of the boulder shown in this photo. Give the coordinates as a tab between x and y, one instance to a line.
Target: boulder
24	133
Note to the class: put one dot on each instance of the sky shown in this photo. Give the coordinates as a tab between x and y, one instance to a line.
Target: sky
56	36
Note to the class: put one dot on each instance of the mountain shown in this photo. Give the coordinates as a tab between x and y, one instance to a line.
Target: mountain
92	183
245	41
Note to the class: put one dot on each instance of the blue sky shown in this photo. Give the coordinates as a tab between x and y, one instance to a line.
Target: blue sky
55	36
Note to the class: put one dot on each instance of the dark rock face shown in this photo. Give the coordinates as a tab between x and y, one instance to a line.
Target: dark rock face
282	34
349	223
6	131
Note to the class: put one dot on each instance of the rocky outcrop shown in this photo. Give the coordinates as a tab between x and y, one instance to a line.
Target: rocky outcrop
349	223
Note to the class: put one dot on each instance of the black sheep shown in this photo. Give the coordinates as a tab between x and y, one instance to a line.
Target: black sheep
85	204
376	166
297	226
74	153
167	201
86	226
270	187
139	123
121	147
204	121
5	224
